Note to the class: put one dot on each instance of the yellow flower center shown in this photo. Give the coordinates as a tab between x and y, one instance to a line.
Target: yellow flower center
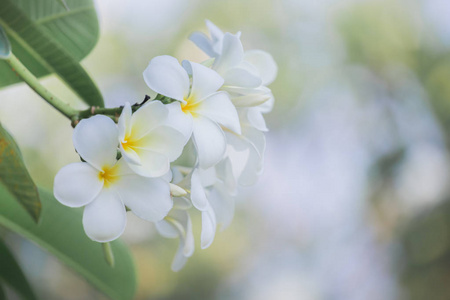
109	175
190	106
129	143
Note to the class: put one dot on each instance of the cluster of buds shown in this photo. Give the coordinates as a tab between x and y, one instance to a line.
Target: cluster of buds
188	149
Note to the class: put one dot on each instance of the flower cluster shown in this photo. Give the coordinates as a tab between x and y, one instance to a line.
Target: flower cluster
188	149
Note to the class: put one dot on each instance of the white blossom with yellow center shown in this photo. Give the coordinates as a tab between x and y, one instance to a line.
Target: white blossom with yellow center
146	143
201	110
104	185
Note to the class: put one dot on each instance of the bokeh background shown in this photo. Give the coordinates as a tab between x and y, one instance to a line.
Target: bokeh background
354	202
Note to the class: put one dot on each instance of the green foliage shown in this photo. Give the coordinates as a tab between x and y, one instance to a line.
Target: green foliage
47	39
12	274
61	233
64	4
5	46
14	175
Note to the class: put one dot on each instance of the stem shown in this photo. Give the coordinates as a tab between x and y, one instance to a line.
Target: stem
109	255
34	83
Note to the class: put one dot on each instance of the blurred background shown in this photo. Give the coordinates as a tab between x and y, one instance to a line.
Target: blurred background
354	202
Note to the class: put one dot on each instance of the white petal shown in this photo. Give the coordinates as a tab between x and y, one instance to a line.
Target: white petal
166	229
147	118
77	184
104	219
256	137
124	121
96	141
181	203
247	159
202	41
214	31
182	221
267	106
198	196
167	77
153	164
148	198
130	155
179	260
249	100
208	227
209	141
164	140
256	118
223	205
205	81
178	223
218	107
232	54
248	97
189	246
178	120
208	177
265	64
241	78
224	171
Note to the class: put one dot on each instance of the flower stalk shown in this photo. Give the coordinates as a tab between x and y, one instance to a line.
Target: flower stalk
108	253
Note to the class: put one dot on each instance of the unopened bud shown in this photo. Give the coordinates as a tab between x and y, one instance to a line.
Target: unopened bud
177	191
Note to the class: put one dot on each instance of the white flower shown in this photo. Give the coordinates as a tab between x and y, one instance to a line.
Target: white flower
200	109
147	144
104	186
246	74
178	224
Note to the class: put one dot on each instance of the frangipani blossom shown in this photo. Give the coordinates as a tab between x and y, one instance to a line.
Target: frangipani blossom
147	144
200	111
246	74
104	185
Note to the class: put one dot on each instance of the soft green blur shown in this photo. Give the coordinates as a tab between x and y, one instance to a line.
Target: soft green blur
354	202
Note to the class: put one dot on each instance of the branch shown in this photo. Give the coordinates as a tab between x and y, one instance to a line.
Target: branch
34	83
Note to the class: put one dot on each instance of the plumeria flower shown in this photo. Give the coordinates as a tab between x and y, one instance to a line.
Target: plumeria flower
246	74
200	110
147	143
177	224
104	185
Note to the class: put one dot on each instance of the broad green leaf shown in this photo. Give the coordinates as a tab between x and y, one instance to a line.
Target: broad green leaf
64	4
11	273
5	46
48	39
60	232
15	176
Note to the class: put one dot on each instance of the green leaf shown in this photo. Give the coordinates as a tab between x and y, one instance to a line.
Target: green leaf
5	46
15	176
12	274
61	233
48	39
64	4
